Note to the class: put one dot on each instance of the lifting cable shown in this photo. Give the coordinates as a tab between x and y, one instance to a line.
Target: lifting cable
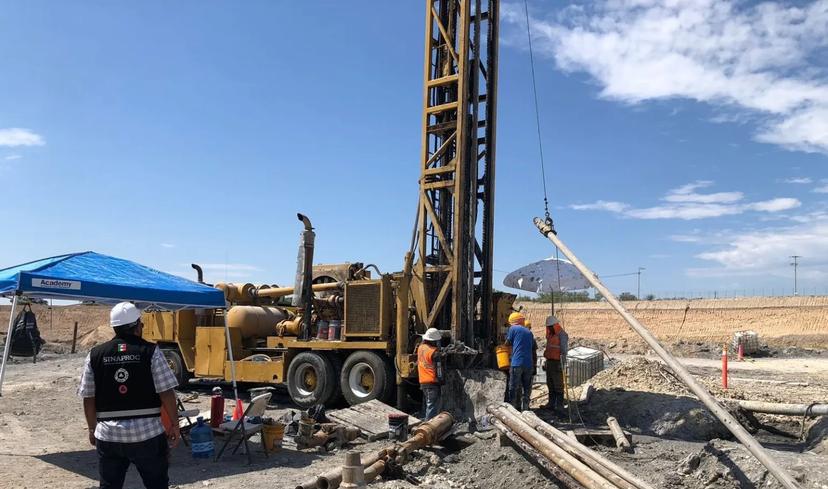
537	112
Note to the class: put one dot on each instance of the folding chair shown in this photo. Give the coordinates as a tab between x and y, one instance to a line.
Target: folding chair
245	429
184	414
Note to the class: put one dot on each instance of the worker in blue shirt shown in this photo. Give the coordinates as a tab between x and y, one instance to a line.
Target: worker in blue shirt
523	363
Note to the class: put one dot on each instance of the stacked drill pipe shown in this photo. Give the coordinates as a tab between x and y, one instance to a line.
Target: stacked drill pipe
563	477
583	474
612	472
423	435
546	229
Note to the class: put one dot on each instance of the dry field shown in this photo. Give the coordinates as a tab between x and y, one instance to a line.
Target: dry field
780	321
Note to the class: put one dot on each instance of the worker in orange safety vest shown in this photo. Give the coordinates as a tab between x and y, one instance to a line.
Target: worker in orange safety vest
557	345
429	372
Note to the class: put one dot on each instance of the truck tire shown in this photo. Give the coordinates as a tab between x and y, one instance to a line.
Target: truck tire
176	364
366	376
336	362
311	379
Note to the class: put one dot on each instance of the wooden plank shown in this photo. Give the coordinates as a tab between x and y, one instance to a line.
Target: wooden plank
370	417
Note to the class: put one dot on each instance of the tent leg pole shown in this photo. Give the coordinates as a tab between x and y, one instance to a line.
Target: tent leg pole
8	342
704	396
232	363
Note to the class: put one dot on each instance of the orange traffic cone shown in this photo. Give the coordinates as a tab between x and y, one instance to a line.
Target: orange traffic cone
238	411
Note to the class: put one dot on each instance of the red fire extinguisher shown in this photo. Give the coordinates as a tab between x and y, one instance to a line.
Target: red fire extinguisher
216	408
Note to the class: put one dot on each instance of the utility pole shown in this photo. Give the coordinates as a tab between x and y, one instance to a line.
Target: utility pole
639	282
795	264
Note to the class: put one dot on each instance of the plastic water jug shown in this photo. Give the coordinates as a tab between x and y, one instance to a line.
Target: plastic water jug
201	440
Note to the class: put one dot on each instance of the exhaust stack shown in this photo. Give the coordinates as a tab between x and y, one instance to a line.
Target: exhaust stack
304	275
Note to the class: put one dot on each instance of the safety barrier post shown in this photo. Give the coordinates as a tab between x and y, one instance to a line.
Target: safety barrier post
724	367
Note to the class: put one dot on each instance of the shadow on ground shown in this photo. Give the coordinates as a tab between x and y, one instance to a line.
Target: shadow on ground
183	468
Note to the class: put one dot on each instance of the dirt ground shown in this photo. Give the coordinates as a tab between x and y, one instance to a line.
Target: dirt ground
677	443
43	440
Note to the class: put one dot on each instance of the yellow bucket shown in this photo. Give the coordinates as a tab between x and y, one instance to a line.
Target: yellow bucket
503	352
272	435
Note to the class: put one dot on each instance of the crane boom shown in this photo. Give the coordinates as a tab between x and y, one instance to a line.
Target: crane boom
452	272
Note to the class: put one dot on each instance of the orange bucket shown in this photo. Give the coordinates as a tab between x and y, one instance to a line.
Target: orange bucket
503	353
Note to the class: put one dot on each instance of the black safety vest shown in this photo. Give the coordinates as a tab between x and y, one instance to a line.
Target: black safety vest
124	388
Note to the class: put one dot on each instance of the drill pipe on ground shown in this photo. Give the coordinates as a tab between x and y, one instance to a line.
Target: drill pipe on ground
789	409
571	465
423	435
593	459
374	470
353	473
333	478
704	396
544	462
621	441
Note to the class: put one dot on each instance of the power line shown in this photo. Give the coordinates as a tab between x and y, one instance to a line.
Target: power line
795	264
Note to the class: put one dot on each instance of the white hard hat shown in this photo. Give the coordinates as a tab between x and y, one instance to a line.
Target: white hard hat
124	313
432	334
551	320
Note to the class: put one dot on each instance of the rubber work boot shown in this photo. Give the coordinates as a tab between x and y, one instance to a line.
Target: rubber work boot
558	405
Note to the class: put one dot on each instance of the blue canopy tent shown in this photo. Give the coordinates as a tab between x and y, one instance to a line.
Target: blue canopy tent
93	276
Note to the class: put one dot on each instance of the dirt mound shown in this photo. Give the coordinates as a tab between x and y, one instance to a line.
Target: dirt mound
640	374
817	439
646	397
101	334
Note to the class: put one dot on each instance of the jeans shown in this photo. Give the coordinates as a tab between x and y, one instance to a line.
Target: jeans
149	457
431	400
520	386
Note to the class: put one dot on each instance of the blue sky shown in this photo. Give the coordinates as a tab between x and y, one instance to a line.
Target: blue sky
690	138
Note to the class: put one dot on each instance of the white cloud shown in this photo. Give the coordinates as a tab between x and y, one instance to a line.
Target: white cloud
601	205
821	190
767	251
686	238
686	193
167	245
16	136
759	60
12	157
686	203
799	180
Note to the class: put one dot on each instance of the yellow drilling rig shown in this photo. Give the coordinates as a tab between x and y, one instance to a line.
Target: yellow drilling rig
278	334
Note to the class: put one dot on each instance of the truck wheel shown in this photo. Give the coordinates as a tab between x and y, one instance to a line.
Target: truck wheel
176	364
336	362
365	376
311	379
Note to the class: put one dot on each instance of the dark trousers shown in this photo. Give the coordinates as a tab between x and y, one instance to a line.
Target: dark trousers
520	386
149	457
431	400
554	382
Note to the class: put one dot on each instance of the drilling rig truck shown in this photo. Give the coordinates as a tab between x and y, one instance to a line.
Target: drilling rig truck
277	335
